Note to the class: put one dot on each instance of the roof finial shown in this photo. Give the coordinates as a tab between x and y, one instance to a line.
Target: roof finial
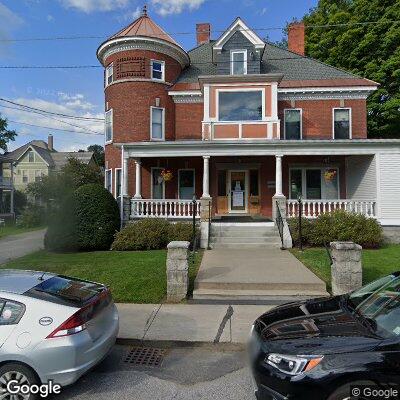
144	11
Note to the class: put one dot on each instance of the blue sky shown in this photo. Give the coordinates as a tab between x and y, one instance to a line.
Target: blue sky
80	91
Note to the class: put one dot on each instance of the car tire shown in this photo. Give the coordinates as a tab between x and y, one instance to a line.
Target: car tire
343	392
24	374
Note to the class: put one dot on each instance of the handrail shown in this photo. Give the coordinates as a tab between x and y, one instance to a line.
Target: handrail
209	226
279	223
329	254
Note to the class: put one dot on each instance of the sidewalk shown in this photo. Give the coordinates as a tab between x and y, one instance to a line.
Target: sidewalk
187	322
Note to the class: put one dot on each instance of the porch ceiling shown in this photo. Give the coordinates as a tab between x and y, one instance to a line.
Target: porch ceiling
260	147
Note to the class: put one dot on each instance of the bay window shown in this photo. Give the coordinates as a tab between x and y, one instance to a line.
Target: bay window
341	123
238	62
314	183
293	124
240	106
157	123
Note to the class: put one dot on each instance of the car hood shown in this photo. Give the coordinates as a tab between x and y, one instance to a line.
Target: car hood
319	326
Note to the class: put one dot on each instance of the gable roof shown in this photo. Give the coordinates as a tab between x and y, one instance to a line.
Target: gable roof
61	158
293	66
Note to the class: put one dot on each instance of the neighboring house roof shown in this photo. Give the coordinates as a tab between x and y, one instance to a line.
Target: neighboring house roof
144	26
17	153
293	66
61	158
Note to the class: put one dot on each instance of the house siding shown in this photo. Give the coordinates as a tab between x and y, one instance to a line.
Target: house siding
361	177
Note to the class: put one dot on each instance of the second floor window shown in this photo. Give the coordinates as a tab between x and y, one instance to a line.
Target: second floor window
239	62
25	178
341	123
109	74
157	123
109	126
108	180
157	70
240	106
293	124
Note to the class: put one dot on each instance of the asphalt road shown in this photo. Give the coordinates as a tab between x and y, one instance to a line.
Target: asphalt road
15	246
191	373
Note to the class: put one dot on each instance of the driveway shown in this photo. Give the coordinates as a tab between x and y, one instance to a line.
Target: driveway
20	245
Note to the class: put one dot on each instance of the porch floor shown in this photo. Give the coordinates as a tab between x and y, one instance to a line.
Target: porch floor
255	274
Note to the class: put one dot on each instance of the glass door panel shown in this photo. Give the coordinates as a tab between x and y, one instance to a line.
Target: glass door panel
238	190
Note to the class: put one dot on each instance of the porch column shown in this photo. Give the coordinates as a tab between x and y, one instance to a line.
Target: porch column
138	179
278	198
206	177
125	174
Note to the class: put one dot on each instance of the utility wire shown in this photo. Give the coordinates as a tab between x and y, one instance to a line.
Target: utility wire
80	37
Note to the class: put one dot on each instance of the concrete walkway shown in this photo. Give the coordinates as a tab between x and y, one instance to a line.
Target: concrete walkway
253	274
187	322
15	246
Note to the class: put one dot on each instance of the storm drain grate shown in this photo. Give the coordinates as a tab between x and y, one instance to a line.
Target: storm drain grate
145	356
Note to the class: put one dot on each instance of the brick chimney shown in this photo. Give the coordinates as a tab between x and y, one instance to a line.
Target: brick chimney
296	38
50	142
203	32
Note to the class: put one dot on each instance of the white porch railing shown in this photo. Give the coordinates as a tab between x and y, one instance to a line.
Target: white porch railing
313	208
164	208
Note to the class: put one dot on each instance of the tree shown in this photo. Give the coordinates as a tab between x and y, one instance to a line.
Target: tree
370	50
6	135
98	154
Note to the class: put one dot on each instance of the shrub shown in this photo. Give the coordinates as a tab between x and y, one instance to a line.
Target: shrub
339	225
151	234
61	232
306	230
32	216
97	217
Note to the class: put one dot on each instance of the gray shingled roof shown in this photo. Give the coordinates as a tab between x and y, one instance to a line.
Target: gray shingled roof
61	158
17	153
275	60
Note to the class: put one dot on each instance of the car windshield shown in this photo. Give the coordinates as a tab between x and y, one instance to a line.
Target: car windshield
379	303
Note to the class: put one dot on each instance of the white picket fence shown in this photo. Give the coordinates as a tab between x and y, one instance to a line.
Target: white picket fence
313	208
154	208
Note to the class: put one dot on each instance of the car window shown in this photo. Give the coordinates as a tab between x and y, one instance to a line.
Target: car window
69	290
11	312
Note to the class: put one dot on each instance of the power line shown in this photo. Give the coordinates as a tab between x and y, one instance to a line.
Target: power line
80	37
49	112
53	129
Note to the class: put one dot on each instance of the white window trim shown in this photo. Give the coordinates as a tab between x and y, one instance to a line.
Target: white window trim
350	122
162	70
301	121
179	180
112	126
116	181
244	61
163	184
218	91
304	180
110	66
111	178
163	124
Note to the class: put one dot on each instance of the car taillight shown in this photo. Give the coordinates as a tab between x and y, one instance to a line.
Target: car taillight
75	324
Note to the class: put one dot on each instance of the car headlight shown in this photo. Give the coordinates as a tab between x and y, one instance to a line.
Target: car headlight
293	365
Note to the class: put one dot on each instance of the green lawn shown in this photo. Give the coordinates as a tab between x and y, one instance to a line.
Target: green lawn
14	230
376	263
134	277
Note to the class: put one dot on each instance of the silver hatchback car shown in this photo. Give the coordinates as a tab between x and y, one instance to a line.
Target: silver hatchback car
52	328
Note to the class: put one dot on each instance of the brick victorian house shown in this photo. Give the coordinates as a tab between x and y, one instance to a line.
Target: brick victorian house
242	124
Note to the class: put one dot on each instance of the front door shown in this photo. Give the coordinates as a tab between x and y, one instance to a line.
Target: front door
237	190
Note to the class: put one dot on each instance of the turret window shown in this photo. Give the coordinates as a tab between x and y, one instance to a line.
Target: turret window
238	62
109	74
157	70
109	126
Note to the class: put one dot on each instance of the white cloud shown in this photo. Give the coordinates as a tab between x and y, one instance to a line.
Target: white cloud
69	104
50	18
9	22
263	11
130	15
168	7
89	6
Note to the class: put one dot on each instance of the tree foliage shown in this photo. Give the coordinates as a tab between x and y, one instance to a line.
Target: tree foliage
6	135
98	153
368	50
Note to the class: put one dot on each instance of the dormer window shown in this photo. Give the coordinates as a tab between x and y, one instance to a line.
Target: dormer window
157	70
238	62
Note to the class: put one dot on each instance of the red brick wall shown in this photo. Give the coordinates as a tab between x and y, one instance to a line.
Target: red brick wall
188	117
317	117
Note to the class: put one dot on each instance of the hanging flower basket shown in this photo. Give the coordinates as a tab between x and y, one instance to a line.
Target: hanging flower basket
167	175
330	175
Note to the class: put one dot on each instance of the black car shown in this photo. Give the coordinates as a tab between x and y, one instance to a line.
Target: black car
321	348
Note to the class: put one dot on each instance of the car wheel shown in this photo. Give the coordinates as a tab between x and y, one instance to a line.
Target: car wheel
16	372
344	392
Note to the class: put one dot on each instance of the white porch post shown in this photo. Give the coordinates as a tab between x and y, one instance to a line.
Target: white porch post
206	177
138	179
278	197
